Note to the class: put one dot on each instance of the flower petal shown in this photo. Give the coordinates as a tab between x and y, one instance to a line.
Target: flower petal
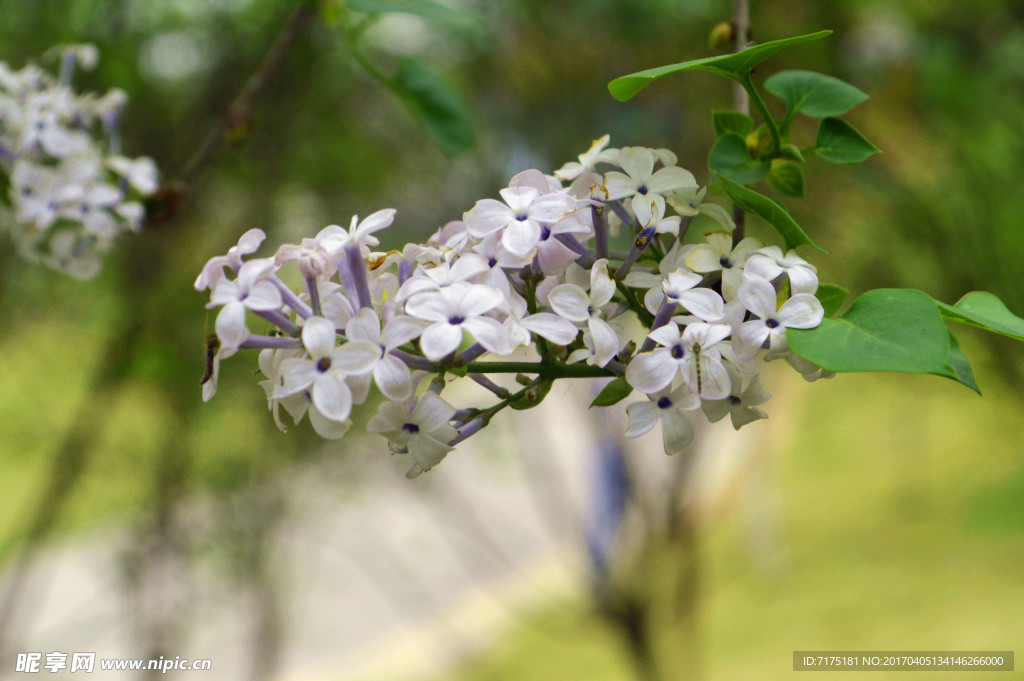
318	336
521	236
802	311
432	414
356	357
393	378
551	327
332	396
570	302
440	339
649	372
676	431
230	325
643	416
757	295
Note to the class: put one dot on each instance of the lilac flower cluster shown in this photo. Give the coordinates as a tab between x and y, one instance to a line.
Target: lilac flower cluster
530	274
70	191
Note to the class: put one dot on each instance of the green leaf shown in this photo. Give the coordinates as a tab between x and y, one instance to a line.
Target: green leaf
732	121
436	105
787	179
840	142
729	157
987	311
813	94
961	366
884	330
432	11
771	211
791	151
613	393
832	297
736	66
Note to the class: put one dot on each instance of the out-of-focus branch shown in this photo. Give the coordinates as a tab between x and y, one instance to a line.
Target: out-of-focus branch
238	111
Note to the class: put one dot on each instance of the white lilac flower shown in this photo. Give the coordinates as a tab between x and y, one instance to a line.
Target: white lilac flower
38	194
140	173
249	291
573	303
464	269
298	404
770	263
718	255
665	406
641	180
588	159
682	288
691	354
519	325
335	238
802	311
67	201
519	218
324	371
92	208
741	404
390	374
652	214
213	271
454	309
424	430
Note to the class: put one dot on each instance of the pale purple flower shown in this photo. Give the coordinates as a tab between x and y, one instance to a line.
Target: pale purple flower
641	181
454	309
718	255
424	430
802	311
249	291
324	371
213	271
771	263
519	218
691	354
741	403
576	305
666	407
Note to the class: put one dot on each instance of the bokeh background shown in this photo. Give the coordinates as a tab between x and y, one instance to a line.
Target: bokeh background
870	512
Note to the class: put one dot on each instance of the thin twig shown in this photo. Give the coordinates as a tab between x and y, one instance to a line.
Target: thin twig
238	112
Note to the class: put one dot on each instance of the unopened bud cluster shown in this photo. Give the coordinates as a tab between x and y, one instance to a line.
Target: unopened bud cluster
70	192
684	324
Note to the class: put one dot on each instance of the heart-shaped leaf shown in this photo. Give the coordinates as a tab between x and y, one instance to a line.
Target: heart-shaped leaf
885	330
983	309
840	142
771	211
787	179
732	121
832	297
613	393
735	66
729	156
813	94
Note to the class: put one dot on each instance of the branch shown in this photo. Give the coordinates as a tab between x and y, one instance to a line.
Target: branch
240	107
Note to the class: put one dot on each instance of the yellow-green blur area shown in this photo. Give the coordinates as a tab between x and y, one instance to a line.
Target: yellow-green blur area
903	508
